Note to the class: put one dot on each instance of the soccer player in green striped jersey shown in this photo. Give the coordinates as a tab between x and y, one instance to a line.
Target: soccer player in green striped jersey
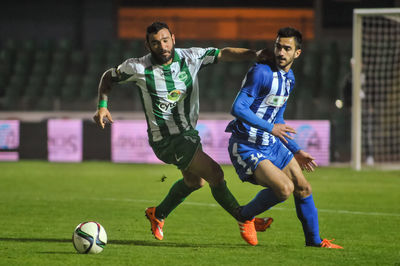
169	90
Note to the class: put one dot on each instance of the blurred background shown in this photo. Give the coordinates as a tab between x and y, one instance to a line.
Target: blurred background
52	55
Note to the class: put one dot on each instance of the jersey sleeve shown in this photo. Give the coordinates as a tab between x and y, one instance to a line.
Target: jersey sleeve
204	56
255	80
124	72
241	110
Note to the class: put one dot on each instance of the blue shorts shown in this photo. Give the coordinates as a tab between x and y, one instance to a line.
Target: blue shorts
246	156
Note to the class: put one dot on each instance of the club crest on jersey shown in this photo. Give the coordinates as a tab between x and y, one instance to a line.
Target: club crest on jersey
174	95
276	100
173	98
182	76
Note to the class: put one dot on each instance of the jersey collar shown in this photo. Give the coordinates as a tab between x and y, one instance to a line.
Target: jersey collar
288	75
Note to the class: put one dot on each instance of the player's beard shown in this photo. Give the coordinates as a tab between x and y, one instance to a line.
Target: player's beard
160	58
285	63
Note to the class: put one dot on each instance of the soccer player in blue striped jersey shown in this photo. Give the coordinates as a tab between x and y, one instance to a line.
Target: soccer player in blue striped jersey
261	148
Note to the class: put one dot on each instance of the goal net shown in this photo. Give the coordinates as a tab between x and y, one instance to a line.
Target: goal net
376	88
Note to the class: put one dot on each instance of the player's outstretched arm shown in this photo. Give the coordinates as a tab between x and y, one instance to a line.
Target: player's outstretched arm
230	54
104	89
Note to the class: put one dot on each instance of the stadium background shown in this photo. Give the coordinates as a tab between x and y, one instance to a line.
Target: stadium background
53	53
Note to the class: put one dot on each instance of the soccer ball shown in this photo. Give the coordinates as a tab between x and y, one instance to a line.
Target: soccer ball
89	237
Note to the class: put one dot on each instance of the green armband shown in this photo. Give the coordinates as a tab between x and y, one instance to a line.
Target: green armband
102	103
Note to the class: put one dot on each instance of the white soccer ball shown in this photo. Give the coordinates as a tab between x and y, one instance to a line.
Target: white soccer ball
89	237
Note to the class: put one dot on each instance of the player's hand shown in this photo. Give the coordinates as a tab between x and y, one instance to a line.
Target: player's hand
265	56
100	115
281	131
305	160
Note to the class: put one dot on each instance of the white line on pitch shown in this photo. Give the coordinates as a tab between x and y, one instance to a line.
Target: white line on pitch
274	208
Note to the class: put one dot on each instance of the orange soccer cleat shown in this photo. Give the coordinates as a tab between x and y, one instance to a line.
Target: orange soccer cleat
248	232
156	225
262	224
328	244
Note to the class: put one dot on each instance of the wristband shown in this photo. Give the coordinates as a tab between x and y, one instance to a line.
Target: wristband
102	103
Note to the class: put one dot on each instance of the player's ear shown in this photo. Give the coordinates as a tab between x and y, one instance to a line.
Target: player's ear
173	38
297	53
147	45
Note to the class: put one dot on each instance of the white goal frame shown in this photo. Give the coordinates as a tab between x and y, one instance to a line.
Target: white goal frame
356	140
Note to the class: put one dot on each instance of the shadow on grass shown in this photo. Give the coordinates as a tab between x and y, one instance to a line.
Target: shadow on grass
153	243
156	243
57	252
51	240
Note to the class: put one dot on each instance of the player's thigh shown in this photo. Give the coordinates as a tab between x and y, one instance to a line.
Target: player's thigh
268	175
204	166
192	180
302	187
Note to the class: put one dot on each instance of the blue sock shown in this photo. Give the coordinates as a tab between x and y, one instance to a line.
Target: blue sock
264	200
308	215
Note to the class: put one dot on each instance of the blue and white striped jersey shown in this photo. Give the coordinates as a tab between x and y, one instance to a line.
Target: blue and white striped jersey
270	90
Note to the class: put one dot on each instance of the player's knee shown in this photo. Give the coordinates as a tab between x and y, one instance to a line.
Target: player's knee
196	184
303	191
285	191
193	181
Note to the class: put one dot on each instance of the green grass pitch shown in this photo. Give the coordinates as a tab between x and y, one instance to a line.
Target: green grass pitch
42	202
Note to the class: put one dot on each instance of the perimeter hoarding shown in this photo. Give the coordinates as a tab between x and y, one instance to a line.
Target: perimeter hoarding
129	141
9	140
64	141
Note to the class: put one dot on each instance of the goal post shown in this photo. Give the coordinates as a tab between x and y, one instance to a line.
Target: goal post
375	137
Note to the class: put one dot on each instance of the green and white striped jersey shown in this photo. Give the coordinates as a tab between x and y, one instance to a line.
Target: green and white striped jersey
169	94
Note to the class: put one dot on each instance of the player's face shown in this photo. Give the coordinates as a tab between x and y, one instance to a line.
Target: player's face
161	46
285	52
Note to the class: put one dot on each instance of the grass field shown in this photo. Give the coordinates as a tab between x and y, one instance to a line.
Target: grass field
41	203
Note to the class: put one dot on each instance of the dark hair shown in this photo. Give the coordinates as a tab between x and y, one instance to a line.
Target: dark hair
291	32
156	27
